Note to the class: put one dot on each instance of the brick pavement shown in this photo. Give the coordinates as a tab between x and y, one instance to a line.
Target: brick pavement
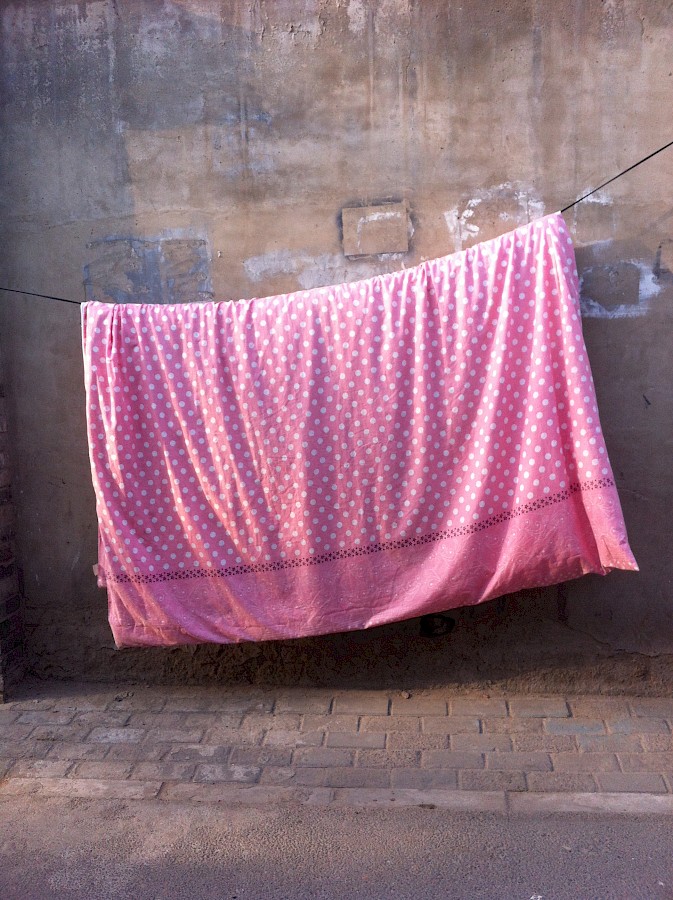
366	748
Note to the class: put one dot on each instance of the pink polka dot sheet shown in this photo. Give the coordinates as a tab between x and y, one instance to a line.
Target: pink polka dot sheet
343	457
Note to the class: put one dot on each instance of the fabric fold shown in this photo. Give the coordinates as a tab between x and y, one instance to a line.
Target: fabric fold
342	457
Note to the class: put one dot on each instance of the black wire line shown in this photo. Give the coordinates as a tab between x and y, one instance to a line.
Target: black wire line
615	177
44	296
565	209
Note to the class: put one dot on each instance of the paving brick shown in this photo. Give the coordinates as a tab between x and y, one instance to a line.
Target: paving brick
182	721
83	788
362	703
585	762
322	756
546	743
390	723
387	759
423	779
212	753
560	781
418	706
281	722
277	775
224	705
163	771
609	743
402	740
137	752
32	705
15	732
480	743
261	756
132	703
369	740
450	724
294	738
303	701
47	717
116	735
104	769
226	794
598	707
343	777
5	766
450	759
519	762
8	715
23	749
41	768
653	706
631	782
477	780
63	750
638	725
71	733
113	719
215	772
657	741
330	723
176	735
539	707
512	726
646	762
574	726
478	706
233	736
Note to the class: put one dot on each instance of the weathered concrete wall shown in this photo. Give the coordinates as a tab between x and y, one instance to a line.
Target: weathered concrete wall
185	149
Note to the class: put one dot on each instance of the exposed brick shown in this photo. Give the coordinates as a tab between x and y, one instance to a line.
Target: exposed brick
163	771
387	759
103	769
41	768
15	732
181	721
75	751
116	735
362	703
450	759
294	738
480	743
198	753
609	743
176	735
598	707
653	706
478	706
330	723
33	705
137	752
8	714
390	723
261	756
560	781
370	740
418	706
24	749
638	725
284	722
423	779
519	762
343	777
657	741
233	736
214	772
227	706
585	762
450	724
402	740
646	762
84	788
101	719
322	756
227	794
69	733
47	717
304	701
574	726
631	782
277	775
478	780
512	726
539	707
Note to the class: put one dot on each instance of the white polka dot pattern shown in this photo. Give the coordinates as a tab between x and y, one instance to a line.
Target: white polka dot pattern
232	439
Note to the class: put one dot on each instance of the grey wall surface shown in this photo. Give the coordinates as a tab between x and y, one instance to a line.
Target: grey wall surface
188	149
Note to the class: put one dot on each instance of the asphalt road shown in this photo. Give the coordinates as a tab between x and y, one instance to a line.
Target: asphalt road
60	848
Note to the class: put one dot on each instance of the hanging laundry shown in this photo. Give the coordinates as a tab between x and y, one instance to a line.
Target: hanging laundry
342	457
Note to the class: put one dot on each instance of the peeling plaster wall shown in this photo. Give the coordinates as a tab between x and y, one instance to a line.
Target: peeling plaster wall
185	149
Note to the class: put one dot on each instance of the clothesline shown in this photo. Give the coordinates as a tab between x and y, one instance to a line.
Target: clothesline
563	210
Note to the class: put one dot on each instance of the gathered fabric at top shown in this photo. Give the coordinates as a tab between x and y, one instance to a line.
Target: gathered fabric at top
342	457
